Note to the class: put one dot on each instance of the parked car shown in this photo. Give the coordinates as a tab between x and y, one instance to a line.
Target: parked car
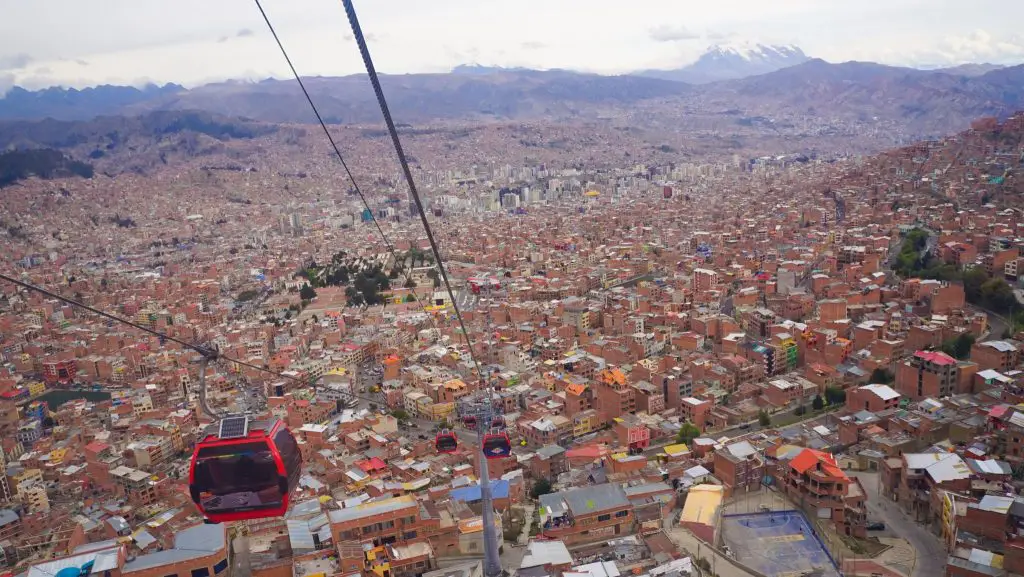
876	526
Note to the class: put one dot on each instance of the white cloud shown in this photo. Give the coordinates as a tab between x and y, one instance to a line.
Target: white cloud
15	61
670	33
7	82
980	46
128	39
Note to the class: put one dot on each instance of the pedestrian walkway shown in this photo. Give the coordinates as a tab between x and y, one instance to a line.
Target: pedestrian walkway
524	535
723	566
900	557
868	568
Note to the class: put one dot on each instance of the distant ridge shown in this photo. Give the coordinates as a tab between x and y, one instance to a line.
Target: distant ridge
917	102
73	104
479	69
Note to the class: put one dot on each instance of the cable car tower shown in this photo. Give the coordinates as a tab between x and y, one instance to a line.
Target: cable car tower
484	414
483	411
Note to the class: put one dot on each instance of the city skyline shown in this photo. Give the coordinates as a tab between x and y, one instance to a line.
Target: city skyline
118	42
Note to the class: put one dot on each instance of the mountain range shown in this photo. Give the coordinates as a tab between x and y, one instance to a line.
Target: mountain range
732	61
779	86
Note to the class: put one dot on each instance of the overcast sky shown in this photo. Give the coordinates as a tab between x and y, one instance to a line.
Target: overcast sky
87	42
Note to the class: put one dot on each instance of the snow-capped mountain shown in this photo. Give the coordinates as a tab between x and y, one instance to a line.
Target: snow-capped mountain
731	61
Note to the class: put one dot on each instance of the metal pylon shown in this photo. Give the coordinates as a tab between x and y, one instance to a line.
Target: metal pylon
482	407
492	563
483	411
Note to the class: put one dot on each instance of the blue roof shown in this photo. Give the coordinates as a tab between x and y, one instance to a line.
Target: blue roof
471	494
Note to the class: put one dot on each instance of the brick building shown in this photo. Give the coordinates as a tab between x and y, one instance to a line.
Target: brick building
813	479
873	398
927	374
586	514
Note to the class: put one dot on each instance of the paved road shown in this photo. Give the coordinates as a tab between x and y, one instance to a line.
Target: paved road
930	555
997	324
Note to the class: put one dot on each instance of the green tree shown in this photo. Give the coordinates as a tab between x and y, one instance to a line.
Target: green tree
409	283
818	403
800	411
881	375
960	347
247	295
997	295
307	293
540	487
974	278
355	298
835	395
763	418
409	298
687	433
400	414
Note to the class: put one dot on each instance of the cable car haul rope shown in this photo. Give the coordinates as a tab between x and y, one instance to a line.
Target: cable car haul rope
244	468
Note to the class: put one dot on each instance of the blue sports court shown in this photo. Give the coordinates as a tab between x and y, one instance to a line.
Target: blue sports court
777	544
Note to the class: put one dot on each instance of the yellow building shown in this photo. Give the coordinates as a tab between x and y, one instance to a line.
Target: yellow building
57	455
439	411
26	479
583	423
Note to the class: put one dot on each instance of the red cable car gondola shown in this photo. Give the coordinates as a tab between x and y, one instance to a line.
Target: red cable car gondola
469	421
446	441
244	469
497	445
498	421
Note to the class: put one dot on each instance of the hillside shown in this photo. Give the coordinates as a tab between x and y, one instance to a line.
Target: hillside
929	103
115	144
45	163
970	168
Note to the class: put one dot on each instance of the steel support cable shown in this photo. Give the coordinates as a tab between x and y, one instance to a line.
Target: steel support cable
341	158
371	71
492	562
209	353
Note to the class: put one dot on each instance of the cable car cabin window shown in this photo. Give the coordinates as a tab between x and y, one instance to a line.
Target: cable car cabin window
290	455
201	572
220	566
241	476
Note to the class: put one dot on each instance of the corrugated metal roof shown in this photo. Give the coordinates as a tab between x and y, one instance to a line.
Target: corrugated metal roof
995	503
105	560
546	553
470	494
143	539
372	508
198	541
590	500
